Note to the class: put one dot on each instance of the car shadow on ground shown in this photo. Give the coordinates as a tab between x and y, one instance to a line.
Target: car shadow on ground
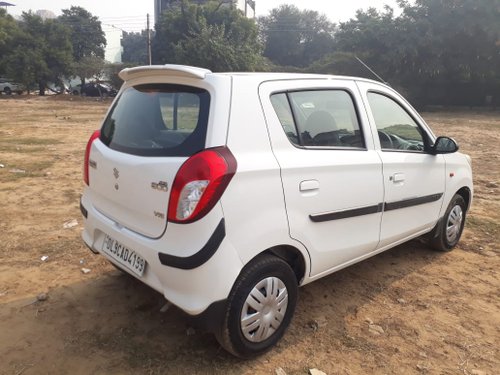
117	321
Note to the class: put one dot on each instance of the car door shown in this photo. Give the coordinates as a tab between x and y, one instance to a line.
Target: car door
331	174
414	179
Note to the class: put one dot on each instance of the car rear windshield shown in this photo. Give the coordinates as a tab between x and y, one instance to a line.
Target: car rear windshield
158	120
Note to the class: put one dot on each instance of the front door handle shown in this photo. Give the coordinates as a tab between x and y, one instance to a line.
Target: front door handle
309	185
397	177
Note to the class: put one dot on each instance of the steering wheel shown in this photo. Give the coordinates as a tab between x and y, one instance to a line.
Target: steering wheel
385	140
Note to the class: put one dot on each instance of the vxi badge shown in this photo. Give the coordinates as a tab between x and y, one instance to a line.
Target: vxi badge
161	186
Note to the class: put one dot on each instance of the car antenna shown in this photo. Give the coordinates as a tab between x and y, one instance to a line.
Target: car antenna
371	71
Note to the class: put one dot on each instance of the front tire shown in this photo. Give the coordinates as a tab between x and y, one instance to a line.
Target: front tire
446	236
260	307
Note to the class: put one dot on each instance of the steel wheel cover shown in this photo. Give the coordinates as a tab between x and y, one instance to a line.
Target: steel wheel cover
264	309
454	224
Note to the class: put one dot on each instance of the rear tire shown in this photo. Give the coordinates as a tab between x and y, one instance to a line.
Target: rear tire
446	236
260	307
7	91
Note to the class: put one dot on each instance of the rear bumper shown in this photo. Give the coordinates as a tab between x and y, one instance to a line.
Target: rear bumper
192	265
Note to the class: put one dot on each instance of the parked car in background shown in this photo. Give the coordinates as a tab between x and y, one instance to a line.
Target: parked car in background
94	89
75	90
59	88
225	192
7	86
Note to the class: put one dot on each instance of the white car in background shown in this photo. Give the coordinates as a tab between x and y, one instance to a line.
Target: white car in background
225	192
8	87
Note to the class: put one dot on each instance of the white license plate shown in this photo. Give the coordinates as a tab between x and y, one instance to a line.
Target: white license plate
128	258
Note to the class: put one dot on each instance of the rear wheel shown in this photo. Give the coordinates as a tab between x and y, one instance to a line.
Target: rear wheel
260	307
7	91
446	236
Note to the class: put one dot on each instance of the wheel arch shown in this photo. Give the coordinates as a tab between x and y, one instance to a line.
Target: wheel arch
292	256
466	194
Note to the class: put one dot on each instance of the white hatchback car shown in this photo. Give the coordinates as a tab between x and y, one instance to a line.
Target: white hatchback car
227	191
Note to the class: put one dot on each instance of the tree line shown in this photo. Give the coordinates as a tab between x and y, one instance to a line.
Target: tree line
436	51
36	51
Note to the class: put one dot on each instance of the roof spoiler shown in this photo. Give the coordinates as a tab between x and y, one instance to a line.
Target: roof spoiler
168	69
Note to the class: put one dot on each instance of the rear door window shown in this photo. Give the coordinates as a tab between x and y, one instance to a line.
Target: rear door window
158	120
319	118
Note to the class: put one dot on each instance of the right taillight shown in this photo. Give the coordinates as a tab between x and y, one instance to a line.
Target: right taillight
93	137
199	184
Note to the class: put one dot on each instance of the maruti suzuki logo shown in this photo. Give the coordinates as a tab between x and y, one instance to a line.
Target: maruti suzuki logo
116	173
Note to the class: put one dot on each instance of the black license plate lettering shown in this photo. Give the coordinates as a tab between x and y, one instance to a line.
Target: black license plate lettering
124	255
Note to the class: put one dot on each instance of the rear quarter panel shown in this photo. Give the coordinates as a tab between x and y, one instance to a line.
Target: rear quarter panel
253	203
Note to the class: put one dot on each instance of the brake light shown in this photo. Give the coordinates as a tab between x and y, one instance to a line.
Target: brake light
199	184
93	137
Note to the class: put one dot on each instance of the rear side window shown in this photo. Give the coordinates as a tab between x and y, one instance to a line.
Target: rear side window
158	120
321	118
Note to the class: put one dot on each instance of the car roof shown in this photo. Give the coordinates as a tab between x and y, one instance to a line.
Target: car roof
201	73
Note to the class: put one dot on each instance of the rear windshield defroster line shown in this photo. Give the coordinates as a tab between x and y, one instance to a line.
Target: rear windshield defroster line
158	120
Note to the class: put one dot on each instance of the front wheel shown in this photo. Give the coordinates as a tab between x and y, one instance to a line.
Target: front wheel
260	307
446	236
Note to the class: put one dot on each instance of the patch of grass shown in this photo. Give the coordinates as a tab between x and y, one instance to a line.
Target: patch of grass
26	145
484	224
31	141
21	150
71	195
31	170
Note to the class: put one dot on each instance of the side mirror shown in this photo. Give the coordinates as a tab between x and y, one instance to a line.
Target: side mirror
444	145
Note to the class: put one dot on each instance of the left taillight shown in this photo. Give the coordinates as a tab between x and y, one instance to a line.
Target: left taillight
199	184
92	138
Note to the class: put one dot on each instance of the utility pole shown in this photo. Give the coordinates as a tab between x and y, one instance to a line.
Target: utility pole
149	43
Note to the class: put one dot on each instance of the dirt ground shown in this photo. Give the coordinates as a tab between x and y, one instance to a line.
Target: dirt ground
439	313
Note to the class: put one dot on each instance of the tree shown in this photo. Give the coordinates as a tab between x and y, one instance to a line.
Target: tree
135	48
111	71
453	40
444	51
8	31
40	52
87	37
375	37
89	67
296	38
211	35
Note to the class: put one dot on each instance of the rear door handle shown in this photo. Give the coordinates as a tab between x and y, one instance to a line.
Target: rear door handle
397	177
309	185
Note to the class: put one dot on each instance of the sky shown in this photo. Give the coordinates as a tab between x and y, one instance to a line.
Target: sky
131	15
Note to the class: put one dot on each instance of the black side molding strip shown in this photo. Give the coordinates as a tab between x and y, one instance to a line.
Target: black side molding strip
202	256
412	202
319	218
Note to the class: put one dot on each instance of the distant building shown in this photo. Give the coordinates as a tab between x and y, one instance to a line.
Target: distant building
45	14
114	49
246	6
